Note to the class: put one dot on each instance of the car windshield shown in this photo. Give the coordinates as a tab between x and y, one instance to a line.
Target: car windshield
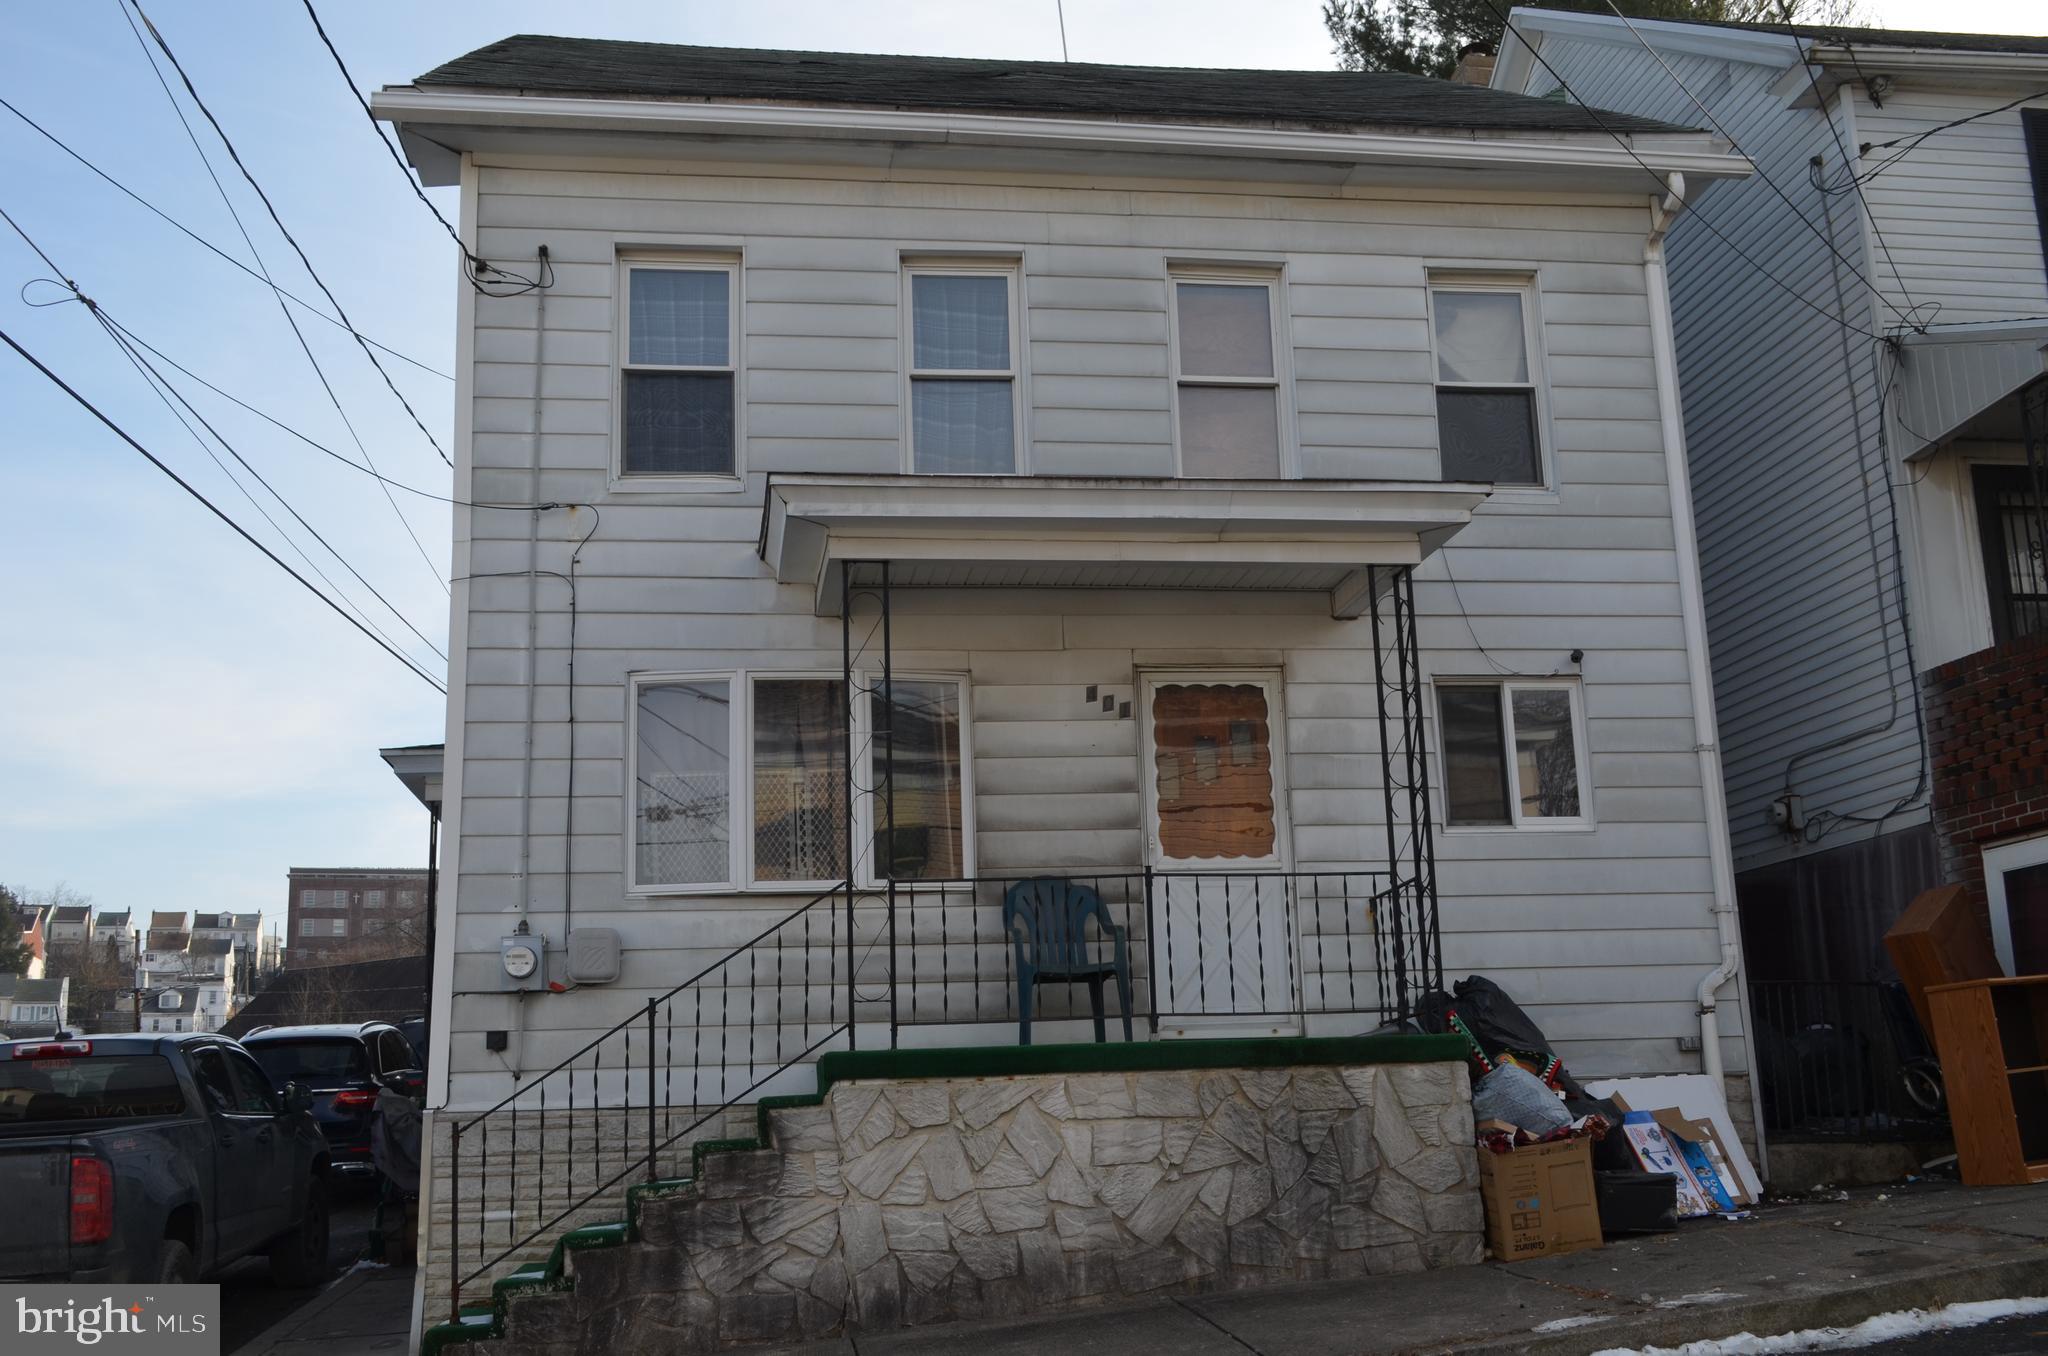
315	1063
88	1088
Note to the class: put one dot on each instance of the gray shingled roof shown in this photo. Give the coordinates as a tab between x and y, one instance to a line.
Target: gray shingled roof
531	64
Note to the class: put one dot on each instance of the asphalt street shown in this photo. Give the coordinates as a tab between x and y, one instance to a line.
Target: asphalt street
250	1302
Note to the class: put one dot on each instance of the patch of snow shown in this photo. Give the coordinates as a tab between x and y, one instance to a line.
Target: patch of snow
1882	1328
1704	1297
1561	1324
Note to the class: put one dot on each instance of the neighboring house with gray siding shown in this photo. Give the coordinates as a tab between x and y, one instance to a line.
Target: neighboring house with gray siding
1167	480
1867	525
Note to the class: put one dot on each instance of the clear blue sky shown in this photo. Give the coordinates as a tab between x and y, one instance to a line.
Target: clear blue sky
179	722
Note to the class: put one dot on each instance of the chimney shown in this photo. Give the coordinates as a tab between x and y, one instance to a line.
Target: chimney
1475	65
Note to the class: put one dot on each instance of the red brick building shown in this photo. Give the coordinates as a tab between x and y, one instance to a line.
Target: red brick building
353	913
1988	744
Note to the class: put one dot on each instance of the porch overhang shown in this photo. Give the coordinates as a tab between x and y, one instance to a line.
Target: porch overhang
1961	384
1293	536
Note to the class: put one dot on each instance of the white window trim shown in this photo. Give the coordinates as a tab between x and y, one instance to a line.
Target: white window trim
1524	285
689	261
1585	821
740	848
1273	278
1011	271
2000	858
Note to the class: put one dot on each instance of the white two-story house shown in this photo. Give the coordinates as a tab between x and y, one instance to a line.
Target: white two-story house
1255	497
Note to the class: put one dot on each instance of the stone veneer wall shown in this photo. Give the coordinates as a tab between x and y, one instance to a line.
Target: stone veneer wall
906	1202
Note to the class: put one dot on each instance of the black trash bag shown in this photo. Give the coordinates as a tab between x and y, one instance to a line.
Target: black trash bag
1500	1026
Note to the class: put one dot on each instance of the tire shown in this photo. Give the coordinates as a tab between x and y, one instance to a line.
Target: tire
174	1264
298	1257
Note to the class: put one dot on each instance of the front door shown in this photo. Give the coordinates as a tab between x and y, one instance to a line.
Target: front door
1216	832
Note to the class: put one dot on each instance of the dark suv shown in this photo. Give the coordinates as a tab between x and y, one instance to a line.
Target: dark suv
341	1064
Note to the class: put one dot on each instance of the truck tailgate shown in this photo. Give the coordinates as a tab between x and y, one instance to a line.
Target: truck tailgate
35	1183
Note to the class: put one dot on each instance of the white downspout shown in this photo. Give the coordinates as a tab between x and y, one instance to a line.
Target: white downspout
1692	607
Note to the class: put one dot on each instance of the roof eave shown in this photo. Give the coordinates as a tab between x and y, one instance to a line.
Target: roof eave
1856	61
435	124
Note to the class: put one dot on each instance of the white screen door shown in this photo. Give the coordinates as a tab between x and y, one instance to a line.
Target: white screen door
1216	832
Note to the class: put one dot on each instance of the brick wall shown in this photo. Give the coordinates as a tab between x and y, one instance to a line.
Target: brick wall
1987	717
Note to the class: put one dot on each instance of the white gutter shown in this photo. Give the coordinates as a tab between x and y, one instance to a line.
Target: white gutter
447	111
1692	607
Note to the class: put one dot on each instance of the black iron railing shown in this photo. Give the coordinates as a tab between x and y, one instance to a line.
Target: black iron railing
1844	1060
1201	945
629	1102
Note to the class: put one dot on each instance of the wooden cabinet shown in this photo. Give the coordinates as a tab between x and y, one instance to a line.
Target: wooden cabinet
1992	1036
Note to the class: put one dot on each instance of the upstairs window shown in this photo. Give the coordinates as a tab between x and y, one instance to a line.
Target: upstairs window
1512	754
676	392
1226	384
1486	411
963	371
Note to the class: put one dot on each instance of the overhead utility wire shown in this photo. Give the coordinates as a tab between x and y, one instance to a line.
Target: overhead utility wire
1696	213
158	387
289	319
155	378
1842	149
1768	181
271	208
199	239
1912	141
482	274
321	447
240	531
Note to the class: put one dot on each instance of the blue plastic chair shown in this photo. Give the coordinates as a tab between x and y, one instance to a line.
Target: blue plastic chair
1047	920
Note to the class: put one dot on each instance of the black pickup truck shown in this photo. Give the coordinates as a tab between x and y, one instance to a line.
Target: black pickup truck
127	1159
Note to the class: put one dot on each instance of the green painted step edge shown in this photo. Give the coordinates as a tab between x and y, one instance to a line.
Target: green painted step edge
996	1061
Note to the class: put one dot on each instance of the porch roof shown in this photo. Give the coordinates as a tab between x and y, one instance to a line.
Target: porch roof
1959	384
1072	532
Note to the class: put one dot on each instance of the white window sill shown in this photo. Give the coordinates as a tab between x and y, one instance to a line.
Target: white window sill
625	484
1566	826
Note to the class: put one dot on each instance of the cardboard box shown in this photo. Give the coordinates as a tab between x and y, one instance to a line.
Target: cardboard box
1539	1199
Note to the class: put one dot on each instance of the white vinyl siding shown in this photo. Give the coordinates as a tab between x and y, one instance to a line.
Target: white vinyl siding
1958	210
675	585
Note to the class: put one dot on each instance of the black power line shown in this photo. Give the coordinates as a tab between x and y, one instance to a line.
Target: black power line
277	220
1696	213
159	385
199	239
480	272
240	531
290	320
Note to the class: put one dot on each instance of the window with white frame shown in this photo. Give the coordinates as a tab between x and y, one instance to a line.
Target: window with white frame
1488	423
679	344
309	899
963	369
1513	754
373	899
790	779
1226	380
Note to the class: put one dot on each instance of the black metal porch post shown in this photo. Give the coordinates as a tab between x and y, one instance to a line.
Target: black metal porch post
846	714
1398	950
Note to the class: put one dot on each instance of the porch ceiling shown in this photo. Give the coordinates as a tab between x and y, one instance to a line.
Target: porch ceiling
1068	532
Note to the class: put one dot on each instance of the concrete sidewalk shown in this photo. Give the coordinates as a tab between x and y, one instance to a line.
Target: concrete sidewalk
366	1312
1795	1266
